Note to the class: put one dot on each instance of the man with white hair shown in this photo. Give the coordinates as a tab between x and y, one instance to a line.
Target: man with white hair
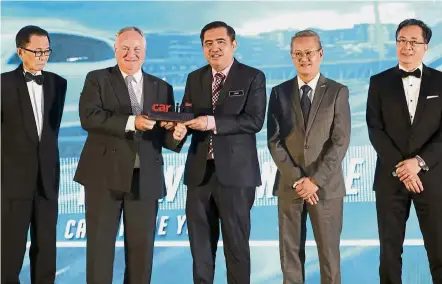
121	166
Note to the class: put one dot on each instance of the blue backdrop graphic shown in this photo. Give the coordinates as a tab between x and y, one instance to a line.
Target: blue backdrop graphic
358	40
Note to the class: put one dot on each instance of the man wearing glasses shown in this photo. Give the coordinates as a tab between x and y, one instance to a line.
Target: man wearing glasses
404	113
32	103
308	130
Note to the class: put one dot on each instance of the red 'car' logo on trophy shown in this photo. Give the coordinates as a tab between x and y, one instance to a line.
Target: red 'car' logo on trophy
161	107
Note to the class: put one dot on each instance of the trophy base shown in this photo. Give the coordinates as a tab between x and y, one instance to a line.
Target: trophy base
171	116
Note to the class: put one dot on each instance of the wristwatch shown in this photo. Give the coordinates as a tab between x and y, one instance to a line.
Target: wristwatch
422	163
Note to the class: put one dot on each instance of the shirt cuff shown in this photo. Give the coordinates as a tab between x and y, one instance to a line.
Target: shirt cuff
130	125
211	125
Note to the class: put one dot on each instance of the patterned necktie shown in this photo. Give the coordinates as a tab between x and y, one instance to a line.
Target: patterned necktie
305	103
216	89
136	108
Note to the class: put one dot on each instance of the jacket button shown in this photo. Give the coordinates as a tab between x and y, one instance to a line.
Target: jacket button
113	150
306	147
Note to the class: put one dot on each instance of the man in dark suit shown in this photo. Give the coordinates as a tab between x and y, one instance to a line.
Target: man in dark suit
32	102
222	170
121	165
308	130
404	113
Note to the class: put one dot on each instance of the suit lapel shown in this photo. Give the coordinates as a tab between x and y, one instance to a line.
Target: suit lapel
317	98
120	89
150	93
423	92
48	100
399	93
294	100
228	83
207	87
25	105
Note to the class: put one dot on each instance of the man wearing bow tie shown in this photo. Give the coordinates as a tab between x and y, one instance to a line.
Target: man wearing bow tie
404	113
308	131
32	103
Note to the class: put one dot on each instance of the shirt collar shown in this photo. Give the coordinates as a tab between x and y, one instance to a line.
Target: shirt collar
312	84
37	73
420	67
137	76
225	71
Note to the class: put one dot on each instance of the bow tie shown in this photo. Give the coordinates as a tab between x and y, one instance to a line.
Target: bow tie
37	78
416	73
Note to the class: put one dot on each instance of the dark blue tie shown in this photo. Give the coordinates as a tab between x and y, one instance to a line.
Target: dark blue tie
305	103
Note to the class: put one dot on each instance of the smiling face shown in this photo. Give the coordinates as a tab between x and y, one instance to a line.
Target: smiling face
218	48
410	47
307	57
130	51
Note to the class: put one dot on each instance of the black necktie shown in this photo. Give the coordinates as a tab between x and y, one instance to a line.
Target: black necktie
416	73
37	78
305	103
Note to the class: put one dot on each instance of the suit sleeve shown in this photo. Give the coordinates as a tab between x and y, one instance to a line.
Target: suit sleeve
251	119
431	153
382	143
186	99
169	142
93	116
280	155
62	97
336	147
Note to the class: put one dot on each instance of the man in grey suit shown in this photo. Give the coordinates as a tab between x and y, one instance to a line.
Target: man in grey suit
308	132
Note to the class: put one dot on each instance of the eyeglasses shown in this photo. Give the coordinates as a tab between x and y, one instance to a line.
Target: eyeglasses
39	53
309	53
413	43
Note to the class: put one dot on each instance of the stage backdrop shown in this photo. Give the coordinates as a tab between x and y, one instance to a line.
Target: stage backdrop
358	40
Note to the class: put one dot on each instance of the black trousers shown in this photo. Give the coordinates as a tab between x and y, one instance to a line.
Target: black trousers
207	205
393	209
103	213
39	215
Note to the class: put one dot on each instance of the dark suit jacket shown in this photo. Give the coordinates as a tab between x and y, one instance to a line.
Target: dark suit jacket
24	157
108	157
239	115
394	137
316	151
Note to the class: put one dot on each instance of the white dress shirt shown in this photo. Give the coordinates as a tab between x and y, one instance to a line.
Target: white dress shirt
412	86
137	84
312	84
36	96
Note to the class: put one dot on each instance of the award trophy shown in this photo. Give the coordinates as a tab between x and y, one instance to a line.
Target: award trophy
161	112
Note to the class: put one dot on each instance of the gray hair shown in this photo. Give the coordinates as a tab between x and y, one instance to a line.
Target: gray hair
306	33
128	29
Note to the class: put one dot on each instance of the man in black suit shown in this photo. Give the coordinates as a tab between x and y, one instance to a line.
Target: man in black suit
404	113
121	165
32	102
222	170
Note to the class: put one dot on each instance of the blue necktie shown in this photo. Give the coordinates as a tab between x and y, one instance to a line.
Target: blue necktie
305	103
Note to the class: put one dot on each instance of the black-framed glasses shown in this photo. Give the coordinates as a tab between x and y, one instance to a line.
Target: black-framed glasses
413	43
308	53
39	53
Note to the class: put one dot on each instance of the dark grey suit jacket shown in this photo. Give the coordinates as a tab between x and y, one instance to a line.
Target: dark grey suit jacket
108	156
316	151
